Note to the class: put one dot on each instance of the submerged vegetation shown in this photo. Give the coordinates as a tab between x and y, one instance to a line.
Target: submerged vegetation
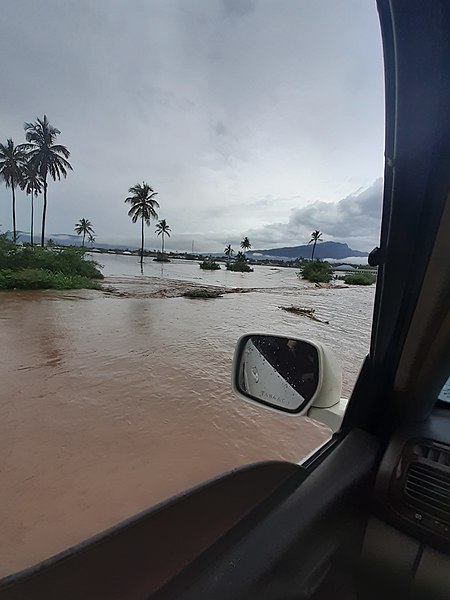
316	271
209	264
63	268
162	258
361	278
239	264
202	293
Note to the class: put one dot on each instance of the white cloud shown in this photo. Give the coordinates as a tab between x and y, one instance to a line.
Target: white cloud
236	111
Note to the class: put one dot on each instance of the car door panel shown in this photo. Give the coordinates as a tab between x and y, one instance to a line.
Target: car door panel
135	558
302	545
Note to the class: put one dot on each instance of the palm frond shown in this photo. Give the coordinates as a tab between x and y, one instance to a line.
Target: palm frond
46	156
12	162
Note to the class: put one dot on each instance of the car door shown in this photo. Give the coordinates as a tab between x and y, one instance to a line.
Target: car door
280	531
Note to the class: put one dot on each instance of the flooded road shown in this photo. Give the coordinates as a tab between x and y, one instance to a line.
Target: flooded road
112	401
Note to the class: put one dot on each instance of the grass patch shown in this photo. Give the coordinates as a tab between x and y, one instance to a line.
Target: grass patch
202	293
34	268
316	271
40	279
359	278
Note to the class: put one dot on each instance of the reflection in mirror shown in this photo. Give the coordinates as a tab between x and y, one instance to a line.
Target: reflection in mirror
278	371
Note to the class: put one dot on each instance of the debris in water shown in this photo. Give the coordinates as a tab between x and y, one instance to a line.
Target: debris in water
330	286
306	312
202	293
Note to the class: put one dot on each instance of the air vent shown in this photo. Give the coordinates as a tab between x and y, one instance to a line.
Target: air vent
428	489
433	454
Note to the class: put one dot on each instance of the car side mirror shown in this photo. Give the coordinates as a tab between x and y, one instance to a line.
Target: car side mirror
289	375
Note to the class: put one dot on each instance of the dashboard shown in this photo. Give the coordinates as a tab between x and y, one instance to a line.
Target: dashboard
408	536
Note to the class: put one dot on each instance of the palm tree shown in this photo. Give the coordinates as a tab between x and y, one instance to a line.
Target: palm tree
245	244
315	237
46	157
228	252
143	206
12	160
162	229
32	184
91	239
84	226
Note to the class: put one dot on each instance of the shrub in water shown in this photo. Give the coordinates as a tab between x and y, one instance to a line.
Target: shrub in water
359	278
27	267
209	264
239	264
317	271
160	257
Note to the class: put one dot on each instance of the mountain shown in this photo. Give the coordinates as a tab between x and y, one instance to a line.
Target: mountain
336	250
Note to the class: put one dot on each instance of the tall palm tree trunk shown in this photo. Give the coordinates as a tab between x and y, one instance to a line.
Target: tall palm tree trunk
32	218
142	242
14	212
162	244
314	249
84	235
44	212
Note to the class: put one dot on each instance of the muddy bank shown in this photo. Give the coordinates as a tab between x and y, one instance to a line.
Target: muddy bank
156	287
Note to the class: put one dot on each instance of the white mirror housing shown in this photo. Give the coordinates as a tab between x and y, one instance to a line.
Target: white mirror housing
289	375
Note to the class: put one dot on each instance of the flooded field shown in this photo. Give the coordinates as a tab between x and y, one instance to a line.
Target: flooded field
112	401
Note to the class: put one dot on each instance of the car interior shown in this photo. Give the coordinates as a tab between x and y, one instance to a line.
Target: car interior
367	516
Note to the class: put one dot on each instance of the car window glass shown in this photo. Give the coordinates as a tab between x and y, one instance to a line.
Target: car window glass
221	161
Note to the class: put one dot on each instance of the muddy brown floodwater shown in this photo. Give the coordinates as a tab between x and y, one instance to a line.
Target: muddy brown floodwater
112	401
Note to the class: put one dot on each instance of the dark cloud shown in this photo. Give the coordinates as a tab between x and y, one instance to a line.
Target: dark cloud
238	8
355	219
220	128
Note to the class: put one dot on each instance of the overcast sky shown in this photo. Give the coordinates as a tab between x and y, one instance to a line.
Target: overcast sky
249	117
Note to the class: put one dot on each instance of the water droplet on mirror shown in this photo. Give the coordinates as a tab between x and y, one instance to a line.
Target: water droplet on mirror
255	374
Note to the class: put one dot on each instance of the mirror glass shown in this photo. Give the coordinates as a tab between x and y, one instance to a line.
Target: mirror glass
278	371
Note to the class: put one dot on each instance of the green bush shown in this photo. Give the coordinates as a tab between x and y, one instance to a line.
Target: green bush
209	264
240	266
359	278
40	279
33	267
317	271
67	260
